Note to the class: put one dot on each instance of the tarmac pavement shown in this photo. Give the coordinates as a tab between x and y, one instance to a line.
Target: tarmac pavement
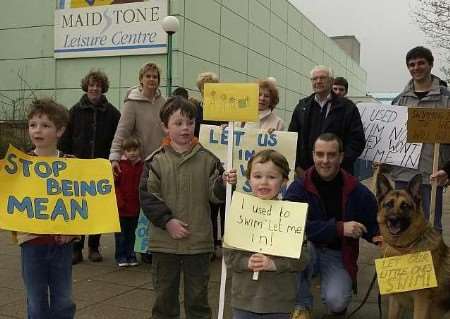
102	290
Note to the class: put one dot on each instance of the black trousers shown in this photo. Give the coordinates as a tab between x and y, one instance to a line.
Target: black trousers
93	243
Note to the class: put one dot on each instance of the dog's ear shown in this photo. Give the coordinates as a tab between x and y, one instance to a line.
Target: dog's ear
414	188
384	186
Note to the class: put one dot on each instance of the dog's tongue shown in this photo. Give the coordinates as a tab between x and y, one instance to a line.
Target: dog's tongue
394	225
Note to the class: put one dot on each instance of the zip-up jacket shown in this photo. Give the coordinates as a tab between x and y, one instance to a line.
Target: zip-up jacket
358	204
175	185
343	119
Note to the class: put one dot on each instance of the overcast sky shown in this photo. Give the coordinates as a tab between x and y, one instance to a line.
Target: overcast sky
385	30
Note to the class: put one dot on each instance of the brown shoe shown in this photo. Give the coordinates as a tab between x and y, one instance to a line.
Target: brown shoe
77	257
302	314
94	256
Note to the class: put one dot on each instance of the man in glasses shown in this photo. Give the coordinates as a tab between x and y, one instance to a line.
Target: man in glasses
325	112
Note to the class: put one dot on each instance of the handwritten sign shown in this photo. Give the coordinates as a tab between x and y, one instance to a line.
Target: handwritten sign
247	142
231	101
405	273
270	227
428	125
386	135
50	195
141	233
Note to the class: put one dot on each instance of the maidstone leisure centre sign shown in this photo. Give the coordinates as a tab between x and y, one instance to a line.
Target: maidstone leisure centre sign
120	29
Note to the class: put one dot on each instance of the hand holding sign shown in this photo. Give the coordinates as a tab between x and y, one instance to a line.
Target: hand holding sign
261	262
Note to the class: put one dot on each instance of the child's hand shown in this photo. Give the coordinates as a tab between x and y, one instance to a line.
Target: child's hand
230	177
271	130
177	229
116	168
260	262
64	239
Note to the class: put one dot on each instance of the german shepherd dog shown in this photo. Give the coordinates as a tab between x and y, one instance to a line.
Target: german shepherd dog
404	231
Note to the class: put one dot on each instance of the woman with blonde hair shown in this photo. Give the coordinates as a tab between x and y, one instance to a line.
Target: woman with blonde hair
140	115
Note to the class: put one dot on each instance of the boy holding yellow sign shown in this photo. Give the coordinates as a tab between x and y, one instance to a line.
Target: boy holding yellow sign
47	259
271	294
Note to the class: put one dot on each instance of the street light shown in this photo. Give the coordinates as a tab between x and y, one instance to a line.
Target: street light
170	25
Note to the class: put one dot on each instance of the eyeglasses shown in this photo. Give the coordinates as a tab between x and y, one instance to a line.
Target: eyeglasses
317	78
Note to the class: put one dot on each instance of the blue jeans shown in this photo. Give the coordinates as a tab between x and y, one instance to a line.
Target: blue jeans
47	272
243	314
425	192
125	239
335	282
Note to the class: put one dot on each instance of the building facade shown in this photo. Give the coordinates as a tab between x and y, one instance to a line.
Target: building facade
240	40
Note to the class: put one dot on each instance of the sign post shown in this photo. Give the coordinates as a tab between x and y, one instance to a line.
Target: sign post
229	102
429	125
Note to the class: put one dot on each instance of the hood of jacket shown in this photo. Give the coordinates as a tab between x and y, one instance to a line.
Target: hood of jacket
135	94
435	87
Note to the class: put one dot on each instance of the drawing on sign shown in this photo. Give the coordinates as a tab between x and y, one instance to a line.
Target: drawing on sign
386	135
231	101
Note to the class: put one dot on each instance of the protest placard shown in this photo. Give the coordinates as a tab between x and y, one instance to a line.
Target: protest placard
141	233
386	135
272	227
50	195
428	125
248	142
405	273
231	101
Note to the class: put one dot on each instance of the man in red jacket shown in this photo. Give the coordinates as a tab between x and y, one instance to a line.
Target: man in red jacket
340	211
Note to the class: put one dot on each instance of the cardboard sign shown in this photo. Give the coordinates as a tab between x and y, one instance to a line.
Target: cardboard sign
428	125
270	227
247	142
405	273
385	131
51	195
231	101
141	233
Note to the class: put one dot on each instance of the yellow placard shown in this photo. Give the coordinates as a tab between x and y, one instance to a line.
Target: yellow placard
89	3
231	102
247	142
405	273
428	125
51	195
272	227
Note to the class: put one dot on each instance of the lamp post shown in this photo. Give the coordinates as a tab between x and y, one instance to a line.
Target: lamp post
170	25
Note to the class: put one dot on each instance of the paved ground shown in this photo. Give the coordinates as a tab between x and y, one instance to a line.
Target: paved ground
101	290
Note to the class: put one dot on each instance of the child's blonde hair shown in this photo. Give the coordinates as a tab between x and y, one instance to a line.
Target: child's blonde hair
269	156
